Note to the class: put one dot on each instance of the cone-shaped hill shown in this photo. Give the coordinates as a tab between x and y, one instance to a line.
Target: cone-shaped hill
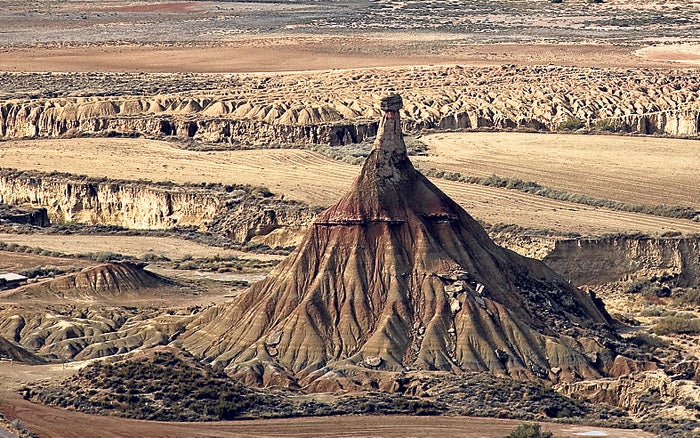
396	276
107	281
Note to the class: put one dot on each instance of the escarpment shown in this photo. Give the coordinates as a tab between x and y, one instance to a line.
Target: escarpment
396	277
593	261
237	212
303	109
600	260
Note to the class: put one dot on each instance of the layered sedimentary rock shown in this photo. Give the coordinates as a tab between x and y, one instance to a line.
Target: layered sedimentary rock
11	351
607	259
105	326
396	276
238	212
592	261
305	108
37	217
106	281
646	394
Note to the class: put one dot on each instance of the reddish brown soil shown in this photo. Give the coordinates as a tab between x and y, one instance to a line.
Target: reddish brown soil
305	53
52	422
173	7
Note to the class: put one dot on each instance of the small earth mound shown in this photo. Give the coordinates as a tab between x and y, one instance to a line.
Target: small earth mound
102	282
11	351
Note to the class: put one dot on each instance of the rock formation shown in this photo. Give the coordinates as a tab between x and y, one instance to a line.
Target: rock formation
595	261
396	276
303	109
103	310
590	261
237	212
11	351
106	281
37	217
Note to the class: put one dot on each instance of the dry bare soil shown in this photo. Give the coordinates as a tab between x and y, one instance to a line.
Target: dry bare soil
52	422
628	169
132	246
316	179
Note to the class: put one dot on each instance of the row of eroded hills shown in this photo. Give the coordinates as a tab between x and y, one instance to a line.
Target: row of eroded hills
305	108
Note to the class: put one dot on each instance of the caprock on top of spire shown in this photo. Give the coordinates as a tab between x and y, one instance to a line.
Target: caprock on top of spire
389	136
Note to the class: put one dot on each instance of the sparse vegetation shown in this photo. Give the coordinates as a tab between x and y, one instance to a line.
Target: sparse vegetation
223	264
529	430
175	387
47	271
607	125
561	195
571	124
648	342
677	325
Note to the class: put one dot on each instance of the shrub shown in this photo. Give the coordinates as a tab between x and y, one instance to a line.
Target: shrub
677	325
648	342
529	430
571	124
690	296
607	125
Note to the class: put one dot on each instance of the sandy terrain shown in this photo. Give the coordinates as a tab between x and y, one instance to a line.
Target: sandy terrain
17	261
313	178
136	246
53	422
295	54
627	169
684	53
244	36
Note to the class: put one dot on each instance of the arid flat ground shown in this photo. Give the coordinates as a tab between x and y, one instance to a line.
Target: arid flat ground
52	422
15	261
311	177
316	53
134	246
223	36
627	169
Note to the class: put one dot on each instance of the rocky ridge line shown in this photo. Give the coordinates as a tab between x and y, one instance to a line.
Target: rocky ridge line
306	108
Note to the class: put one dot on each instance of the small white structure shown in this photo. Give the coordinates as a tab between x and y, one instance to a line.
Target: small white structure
10	280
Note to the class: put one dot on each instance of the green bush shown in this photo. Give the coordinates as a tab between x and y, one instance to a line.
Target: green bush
607	125
571	124
677	325
529	430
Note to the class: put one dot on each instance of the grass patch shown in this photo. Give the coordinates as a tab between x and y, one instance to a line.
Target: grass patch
571	124
607	125
529	430
677	325
223	264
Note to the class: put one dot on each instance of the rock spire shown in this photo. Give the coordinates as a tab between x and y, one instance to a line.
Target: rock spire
396	276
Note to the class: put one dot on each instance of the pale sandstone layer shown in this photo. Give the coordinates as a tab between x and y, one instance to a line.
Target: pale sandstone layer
303	108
